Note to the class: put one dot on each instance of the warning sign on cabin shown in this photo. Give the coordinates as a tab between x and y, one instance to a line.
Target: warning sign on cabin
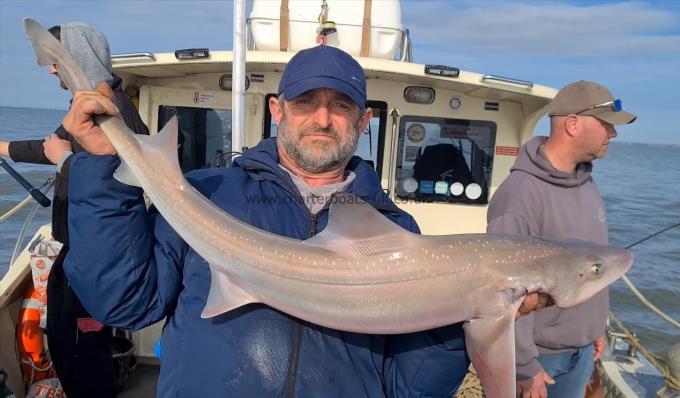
507	150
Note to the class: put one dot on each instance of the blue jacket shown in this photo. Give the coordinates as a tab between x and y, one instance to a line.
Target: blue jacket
130	269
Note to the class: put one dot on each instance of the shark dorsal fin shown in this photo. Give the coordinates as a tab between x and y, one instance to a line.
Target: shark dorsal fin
162	146
356	229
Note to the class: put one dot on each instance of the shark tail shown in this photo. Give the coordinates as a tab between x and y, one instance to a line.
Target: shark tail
49	51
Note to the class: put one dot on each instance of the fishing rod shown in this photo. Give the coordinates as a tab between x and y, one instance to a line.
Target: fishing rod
659	232
35	193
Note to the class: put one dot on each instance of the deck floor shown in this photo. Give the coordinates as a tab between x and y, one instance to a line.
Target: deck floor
142	382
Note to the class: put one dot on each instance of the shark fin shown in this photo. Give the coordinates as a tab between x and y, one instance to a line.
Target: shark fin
124	174
224	295
490	343
357	229
162	147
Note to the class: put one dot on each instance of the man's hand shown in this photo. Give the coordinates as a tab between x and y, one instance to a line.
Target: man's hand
79	123
55	148
533	302
598	347
4	148
535	386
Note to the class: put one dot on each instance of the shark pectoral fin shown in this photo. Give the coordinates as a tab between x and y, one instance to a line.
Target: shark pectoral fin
490	342
356	229
224	295
124	174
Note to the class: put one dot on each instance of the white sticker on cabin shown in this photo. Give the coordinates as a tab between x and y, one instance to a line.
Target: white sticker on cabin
203	97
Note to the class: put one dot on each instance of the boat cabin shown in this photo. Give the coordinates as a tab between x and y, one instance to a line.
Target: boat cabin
441	139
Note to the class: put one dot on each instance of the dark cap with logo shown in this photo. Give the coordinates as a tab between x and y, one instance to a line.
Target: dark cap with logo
585	98
323	67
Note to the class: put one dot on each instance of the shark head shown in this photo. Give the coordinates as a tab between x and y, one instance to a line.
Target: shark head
583	269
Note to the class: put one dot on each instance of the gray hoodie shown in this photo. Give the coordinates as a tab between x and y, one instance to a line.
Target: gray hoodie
539	200
90	50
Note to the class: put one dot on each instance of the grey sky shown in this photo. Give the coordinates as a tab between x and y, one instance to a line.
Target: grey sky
631	47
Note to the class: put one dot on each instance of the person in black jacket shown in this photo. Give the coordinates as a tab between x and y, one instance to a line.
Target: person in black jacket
80	347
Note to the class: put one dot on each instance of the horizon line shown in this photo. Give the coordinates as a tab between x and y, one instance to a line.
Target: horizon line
614	142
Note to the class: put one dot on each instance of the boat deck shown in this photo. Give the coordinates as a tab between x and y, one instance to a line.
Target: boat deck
142	382
626	376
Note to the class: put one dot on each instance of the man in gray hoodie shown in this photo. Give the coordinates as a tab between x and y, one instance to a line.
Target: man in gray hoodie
80	347
550	193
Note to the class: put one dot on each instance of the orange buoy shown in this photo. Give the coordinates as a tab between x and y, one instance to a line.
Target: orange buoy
35	363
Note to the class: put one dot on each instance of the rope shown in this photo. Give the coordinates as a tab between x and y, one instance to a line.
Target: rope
654	359
16	208
471	386
639	295
46	186
649	305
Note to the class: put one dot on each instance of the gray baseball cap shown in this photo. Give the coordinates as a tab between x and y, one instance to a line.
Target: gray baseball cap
585	98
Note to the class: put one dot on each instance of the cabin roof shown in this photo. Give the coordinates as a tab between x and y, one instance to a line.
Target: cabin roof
165	65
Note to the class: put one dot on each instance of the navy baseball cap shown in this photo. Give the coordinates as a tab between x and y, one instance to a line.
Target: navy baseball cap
323	67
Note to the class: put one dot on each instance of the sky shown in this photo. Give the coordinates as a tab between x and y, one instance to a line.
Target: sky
631	47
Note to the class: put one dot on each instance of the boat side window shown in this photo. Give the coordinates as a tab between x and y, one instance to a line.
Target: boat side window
445	160
370	142
204	136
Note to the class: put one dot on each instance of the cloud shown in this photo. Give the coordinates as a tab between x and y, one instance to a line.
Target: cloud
130	26
633	47
552	29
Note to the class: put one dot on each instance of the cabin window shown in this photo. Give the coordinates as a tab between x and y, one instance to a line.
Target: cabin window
371	140
445	160
204	138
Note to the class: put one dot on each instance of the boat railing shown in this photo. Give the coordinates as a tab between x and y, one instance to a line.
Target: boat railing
507	80
406	47
405	50
133	57
635	346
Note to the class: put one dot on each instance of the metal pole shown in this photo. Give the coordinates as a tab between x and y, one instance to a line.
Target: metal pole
391	174
238	94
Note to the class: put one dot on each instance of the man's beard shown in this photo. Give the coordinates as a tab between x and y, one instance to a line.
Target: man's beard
62	84
332	154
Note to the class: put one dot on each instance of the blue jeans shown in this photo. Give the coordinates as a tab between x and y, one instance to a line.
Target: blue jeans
571	371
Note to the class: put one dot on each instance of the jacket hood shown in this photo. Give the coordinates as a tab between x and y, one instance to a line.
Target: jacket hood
532	160
262	162
90	49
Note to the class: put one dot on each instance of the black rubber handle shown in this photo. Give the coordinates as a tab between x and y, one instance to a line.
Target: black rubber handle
35	193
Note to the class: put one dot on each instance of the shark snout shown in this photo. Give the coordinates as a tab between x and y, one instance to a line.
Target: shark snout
600	266
619	262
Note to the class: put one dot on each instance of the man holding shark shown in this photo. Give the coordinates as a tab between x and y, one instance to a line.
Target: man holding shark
255	350
150	273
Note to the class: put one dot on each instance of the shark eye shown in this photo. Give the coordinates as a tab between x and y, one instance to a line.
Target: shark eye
597	269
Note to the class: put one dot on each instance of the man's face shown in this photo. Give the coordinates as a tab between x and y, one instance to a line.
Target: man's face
595	137
319	130
55	72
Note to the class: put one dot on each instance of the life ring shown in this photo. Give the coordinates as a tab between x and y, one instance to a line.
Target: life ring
35	363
